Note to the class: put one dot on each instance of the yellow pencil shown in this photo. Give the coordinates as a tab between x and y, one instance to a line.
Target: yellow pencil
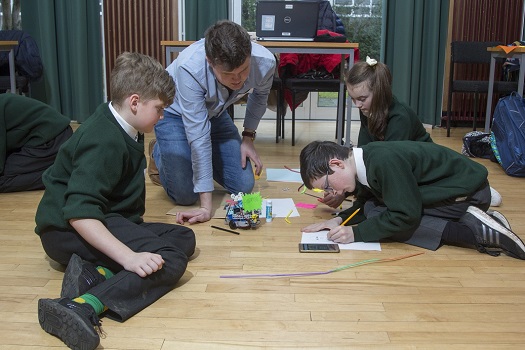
287	217
351	216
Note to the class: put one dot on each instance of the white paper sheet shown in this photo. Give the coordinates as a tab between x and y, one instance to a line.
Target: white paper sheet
281	207
320	238
283	175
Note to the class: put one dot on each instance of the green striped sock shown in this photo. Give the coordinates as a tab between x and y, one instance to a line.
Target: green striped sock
91	300
105	272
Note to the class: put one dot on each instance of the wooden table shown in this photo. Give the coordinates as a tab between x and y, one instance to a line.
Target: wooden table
10	46
299	47
496	52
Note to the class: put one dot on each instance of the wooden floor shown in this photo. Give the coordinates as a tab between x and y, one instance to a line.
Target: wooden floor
453	298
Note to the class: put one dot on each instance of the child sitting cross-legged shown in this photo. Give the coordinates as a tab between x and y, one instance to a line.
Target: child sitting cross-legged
90	216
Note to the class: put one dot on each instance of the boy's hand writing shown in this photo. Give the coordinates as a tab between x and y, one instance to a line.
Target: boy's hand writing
341	234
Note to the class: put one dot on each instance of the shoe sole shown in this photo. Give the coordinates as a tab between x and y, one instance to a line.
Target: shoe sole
500	218
73	271
490	222
67	325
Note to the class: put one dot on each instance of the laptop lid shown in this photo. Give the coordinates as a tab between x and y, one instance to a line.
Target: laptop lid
278	20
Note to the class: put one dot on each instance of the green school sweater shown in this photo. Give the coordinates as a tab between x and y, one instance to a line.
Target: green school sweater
408	175
98	173
26	122
403	124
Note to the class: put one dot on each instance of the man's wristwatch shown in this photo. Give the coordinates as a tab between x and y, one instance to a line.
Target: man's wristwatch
250	134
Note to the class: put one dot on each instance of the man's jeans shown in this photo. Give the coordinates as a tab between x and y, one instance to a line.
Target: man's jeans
172	156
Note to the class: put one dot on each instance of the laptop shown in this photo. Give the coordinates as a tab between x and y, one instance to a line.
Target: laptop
278	20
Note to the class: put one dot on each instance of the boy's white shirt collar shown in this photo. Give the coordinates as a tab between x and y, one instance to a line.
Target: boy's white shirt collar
360	166
131	131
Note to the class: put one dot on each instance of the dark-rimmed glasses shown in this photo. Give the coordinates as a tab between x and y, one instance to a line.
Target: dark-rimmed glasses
327	187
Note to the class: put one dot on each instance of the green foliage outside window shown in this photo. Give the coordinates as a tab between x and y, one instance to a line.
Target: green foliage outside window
362	25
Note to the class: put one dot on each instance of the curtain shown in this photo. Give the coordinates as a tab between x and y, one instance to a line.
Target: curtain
200	14
414	34
68	34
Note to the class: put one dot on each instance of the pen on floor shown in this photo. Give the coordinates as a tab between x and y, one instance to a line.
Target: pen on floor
226	230
350	217
312	195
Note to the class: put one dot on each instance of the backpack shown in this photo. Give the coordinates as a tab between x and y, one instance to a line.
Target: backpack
329	20
508	139
27	56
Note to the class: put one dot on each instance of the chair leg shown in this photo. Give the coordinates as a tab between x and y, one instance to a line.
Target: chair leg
293	118
474	119
278	120
343	122
283	115
449	113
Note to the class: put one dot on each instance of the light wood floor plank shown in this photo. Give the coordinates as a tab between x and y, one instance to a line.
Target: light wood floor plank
453	298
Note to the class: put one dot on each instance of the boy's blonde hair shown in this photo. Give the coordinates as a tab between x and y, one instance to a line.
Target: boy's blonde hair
135	73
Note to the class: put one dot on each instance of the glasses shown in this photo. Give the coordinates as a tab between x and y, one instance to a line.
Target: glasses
327	187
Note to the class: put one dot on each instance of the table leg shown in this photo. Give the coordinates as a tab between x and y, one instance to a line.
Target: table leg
349	106
169	52
522	74
490	92
340	97
12	70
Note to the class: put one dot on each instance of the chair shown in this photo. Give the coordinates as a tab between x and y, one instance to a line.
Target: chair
470	55
277	85
329	28
297	85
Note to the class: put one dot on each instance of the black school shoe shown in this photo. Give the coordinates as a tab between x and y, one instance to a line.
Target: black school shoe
492	238
72	322
79	277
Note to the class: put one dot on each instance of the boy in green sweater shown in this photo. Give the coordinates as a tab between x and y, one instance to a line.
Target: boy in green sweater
31	133
90	216
423	194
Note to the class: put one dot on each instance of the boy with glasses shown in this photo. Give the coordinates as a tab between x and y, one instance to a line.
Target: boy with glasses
421	194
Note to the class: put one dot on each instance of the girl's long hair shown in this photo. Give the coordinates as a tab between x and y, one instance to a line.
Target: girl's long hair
379	80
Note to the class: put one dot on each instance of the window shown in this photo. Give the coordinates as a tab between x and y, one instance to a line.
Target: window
11	18
362	22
